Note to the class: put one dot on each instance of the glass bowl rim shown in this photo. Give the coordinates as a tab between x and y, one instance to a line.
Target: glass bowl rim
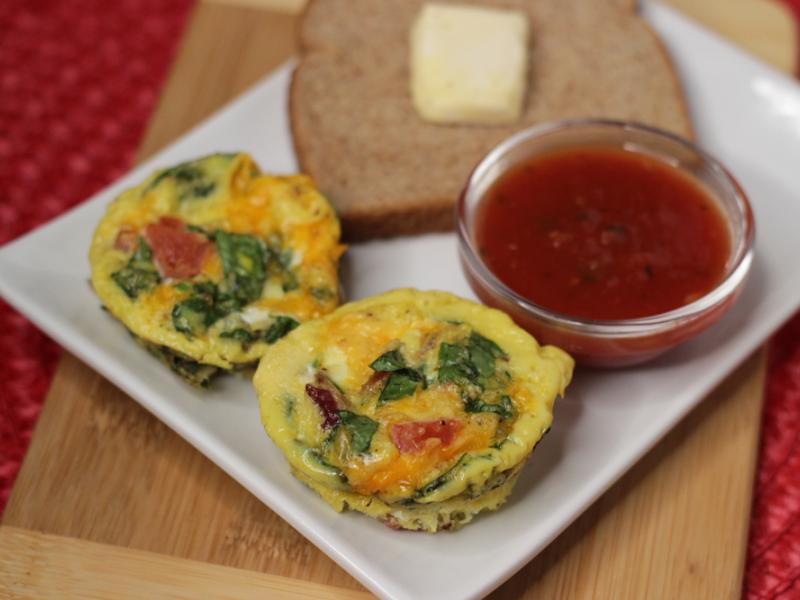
741	248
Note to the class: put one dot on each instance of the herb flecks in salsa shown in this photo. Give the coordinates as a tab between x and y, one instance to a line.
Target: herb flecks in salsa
603	234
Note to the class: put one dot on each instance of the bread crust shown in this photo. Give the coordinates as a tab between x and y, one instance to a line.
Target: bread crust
680	98
371	188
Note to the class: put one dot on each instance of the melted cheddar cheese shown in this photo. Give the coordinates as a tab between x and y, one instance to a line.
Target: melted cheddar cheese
410	400
211	261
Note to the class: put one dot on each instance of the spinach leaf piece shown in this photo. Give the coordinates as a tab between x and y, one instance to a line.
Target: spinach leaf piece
191	182
482	354
205	288
241	335
143	257
463	364
221	304
193	315
288	406
139	274
321	293
399	384
192	371
189	370
455	365
389	361
196	313
225	304
284	257
279	328
504	408
319	468
279	265
289	281
487	345
360	429
200	230
442	479
135	281
244	264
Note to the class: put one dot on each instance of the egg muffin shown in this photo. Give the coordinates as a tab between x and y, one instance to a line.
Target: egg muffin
415	408
209	262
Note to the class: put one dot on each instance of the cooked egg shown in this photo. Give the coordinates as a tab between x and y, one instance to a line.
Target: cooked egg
209	262
416	408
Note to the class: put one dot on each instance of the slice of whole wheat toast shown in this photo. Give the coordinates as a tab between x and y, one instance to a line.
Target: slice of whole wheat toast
390	173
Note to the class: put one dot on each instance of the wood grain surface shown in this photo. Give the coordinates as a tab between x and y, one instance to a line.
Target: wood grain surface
48	566
101	470
763	27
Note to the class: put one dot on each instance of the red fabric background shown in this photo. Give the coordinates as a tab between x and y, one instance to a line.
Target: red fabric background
794	6
78	82
773	565
772	570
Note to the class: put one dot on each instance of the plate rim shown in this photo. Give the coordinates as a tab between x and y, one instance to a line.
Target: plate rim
82	348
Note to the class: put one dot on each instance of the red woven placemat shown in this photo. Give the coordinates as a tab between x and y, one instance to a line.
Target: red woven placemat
78	82
773	558
772	570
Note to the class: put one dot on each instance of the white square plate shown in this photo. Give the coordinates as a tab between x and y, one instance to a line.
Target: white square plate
744	112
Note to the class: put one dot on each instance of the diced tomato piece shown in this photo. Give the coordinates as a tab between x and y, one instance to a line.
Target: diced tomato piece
177	253
375	382
327	405
126	239
172	222
410	438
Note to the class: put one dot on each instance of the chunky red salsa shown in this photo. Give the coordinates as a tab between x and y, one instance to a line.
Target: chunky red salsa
602	234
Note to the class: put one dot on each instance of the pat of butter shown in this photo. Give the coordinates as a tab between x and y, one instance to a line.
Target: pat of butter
468	64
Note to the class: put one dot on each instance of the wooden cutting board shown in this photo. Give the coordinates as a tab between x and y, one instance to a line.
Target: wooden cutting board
112	504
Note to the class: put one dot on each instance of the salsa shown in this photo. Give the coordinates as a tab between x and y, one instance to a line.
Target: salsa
602	233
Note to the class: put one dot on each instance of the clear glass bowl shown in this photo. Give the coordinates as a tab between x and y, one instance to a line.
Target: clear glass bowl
609	343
